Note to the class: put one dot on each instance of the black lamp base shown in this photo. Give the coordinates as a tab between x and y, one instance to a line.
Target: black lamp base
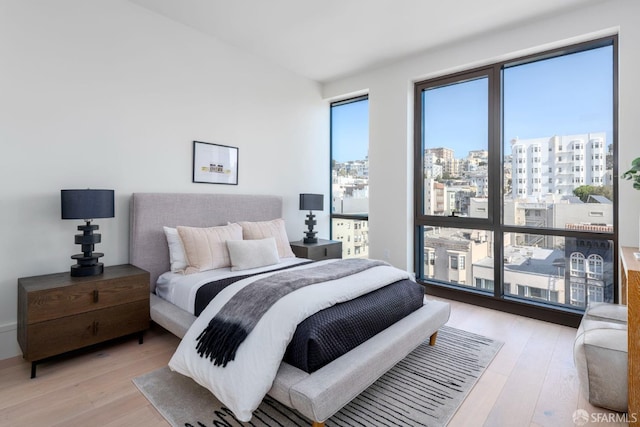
78	270
87	262
310	234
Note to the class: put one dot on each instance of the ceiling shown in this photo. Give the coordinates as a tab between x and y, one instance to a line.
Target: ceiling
328	39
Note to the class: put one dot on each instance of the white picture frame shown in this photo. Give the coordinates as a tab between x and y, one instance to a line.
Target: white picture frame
215	163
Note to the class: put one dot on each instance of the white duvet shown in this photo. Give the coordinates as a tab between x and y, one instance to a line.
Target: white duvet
244	382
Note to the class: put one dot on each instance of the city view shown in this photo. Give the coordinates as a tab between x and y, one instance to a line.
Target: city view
556	181
573	193
559	182
350	177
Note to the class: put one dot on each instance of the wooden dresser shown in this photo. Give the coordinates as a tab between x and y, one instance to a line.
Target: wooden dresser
630	295
58	313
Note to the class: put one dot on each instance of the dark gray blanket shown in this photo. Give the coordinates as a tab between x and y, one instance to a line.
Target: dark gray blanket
336	330
223	335
208	291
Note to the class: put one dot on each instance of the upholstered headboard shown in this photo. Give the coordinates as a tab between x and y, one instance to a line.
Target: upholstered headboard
149	212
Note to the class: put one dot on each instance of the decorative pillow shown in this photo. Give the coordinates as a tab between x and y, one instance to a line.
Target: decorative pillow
206	248
263	229
177	257
247	254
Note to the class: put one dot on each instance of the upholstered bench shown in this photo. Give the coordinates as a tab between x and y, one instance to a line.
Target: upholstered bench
600	355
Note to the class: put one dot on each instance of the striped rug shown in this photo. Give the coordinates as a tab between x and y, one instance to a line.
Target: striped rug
424	389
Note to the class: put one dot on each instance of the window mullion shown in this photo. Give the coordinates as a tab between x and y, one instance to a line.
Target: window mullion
496	177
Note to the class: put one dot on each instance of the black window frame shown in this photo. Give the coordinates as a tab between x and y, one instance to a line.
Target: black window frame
332	216
493	223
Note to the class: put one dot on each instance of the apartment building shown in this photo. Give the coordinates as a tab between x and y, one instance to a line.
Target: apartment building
557	165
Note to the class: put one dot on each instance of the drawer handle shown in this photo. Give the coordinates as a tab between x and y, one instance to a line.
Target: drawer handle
96	295
326	252
95	328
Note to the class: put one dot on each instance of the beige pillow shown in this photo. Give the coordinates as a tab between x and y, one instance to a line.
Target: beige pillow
206	248
264	229
247	254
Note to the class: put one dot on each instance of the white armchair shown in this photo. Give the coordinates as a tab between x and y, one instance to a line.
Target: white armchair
600	355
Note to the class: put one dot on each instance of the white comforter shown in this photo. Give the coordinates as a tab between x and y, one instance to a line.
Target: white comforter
244	382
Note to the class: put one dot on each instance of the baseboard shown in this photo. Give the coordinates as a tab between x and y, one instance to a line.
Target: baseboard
9	341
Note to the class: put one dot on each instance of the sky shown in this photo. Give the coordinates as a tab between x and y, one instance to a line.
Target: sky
350	131
567	95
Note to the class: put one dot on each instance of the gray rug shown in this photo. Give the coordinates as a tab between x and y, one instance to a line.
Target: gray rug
424	389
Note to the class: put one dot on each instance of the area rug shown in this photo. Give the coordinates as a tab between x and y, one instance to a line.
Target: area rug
424	389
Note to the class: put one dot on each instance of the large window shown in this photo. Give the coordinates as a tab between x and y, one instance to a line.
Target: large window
350	176
514	185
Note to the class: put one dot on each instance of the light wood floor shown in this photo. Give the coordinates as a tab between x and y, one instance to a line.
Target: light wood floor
531	382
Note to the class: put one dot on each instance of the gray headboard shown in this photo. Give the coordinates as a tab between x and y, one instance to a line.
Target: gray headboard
149	212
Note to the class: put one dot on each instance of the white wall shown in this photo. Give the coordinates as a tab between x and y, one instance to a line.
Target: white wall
105	94
391	109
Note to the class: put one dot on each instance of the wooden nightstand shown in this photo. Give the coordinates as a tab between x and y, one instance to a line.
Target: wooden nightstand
324	249
58	313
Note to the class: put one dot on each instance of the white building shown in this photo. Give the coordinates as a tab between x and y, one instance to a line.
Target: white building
480	180
434	197
354	235
529	272
557	165
432	166
450	253
476	159
351	197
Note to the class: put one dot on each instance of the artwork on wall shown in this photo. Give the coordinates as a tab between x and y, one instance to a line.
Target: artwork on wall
215	163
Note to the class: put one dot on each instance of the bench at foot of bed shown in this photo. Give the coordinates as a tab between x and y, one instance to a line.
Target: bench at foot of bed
432	341
324	392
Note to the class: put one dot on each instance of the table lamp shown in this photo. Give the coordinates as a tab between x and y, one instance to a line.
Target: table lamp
87	205
311	202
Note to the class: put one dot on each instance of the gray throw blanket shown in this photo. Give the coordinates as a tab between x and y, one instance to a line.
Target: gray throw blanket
220	340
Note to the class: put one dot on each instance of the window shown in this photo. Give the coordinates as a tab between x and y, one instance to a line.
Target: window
484	284
578	295
596	293
535	293
350	175
521	233
577	264
453	262
595	265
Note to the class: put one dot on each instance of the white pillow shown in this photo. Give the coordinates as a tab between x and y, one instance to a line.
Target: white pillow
264	229
246	254
177	257
206	248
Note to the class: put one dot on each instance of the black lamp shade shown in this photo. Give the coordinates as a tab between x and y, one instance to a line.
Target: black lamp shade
311	202
87	204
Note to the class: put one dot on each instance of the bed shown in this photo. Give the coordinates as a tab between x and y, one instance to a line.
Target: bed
318	394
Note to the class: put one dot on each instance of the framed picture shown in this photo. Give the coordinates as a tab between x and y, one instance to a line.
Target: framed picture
215	163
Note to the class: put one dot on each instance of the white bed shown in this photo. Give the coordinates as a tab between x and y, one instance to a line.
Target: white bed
317	395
